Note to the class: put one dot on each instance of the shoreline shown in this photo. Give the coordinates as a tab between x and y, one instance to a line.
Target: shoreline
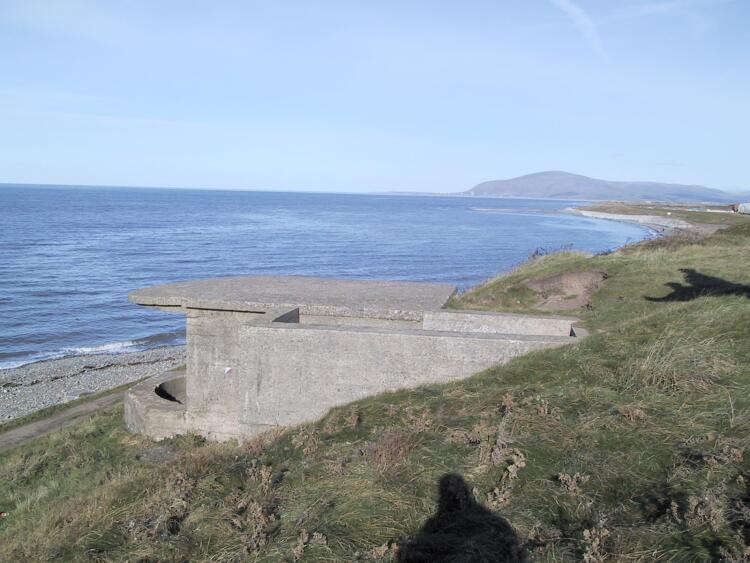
660	225
38	385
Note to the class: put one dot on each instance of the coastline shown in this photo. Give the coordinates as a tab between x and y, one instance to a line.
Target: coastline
662	226
31	387
37	385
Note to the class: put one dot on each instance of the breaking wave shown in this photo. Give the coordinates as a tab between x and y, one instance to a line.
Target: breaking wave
121	347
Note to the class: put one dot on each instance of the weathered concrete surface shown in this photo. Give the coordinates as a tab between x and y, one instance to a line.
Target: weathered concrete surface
148	413
253	377
313	296
253	364
496	323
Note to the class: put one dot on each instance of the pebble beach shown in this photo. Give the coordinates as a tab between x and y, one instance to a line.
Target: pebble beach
28	388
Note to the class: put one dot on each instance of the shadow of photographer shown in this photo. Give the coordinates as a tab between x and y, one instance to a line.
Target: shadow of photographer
462	531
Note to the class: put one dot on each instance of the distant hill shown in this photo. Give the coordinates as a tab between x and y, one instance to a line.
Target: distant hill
564	185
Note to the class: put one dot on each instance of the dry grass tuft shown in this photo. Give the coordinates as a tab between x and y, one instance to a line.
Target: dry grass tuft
507	404
306	439
494	453
390	452
708	509
459	436
514	460
340	420
421	422
262	475
572	483
387	550
162	515
594	540
499	497
337	466
253	522
306	540
631	413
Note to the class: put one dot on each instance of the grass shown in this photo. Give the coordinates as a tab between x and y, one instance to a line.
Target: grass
631	445
510	293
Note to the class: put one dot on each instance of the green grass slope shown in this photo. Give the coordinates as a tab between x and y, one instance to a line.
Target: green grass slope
631	445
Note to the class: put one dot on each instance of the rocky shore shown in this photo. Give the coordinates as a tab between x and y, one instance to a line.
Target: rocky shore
29	388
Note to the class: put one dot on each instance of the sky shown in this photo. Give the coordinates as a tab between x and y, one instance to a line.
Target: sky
361	96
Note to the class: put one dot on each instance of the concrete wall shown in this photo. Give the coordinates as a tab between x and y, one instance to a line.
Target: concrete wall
245	377
497	323
356	321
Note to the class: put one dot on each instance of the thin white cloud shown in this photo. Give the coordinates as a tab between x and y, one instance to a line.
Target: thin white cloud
697	15
583	22
664	7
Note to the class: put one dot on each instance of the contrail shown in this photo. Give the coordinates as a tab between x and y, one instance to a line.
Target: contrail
583	22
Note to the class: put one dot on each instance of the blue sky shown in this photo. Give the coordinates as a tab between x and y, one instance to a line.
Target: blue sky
372	95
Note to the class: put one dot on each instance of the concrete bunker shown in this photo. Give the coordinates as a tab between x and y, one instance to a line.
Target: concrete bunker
269	351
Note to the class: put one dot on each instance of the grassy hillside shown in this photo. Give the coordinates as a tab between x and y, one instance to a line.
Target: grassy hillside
629	446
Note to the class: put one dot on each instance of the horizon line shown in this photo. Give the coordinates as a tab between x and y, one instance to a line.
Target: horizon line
217	189
729	191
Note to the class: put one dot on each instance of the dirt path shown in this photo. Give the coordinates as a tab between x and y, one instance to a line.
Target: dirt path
22	434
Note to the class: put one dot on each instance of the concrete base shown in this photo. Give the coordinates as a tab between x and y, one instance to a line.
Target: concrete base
146	412
152	412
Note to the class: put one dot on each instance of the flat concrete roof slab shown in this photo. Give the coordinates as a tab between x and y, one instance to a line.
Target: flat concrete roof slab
313	296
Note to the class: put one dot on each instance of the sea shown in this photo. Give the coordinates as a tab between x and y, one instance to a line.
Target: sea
69	255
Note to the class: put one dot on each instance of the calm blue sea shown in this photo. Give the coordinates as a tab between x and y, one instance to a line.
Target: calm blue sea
69	255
